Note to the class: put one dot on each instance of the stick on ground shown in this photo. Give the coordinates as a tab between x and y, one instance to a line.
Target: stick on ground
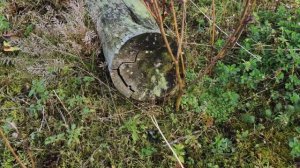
10	148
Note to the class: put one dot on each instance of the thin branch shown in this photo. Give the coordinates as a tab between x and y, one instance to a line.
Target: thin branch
213	27
183	24
161	27
222	31
236	48
61	114
179	55
180	41
25	145
230	42
7	144
175	23
180	81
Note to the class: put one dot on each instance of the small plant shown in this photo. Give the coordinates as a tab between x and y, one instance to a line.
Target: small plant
55	138
40	94
8	160
38	90
75	101
73	135
248	118
132	127
4	24
180	151
148	151
88	80
221	145
213	100
295	146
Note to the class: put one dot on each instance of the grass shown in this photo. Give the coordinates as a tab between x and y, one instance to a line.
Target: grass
58	107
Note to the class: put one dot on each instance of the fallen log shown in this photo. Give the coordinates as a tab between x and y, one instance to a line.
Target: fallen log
138	61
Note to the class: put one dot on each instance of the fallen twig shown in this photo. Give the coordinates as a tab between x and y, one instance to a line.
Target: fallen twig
165	139
61	114
7	144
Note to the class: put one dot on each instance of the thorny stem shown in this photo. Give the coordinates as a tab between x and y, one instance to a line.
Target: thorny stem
175	22
180	81
164	9
213	27
231	40
160	23
180	56
183	24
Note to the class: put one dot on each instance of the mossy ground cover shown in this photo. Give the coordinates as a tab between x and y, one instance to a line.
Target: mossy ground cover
58	107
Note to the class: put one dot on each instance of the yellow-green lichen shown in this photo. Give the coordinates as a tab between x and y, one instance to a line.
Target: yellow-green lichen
139	9
160	83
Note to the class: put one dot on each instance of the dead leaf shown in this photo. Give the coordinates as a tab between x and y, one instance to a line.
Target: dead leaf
6	44
11	49
8	48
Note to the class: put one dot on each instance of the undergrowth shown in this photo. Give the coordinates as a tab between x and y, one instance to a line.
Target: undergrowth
58	107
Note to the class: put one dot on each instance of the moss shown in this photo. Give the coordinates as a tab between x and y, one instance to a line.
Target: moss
139	9
16	88
13	109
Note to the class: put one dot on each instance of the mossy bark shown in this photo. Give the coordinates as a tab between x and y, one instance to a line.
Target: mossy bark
133	48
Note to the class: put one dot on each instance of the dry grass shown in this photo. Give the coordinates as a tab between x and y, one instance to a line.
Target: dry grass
64	32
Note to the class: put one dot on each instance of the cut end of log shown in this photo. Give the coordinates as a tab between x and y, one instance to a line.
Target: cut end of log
143	69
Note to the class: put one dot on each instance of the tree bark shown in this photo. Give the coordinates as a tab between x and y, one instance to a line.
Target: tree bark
137	58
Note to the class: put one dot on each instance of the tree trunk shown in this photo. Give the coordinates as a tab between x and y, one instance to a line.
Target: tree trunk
137	58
